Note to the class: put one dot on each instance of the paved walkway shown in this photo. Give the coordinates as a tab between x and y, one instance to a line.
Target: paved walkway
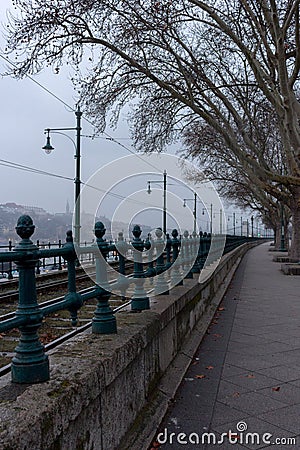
246	372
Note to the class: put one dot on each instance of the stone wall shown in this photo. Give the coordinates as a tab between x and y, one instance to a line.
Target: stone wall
101	386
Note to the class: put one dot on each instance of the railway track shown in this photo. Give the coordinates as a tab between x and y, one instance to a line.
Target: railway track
10	296
57	327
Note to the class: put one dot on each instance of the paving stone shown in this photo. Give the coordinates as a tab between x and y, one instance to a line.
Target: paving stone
250	362
295	382
230	370
247	339
252	403
286	418
252	380
260	349
227	389
253	346
286	393
224	414
282	372
256	433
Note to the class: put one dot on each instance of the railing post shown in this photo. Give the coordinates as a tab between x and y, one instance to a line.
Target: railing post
176	278
10	276
72	296
140	300
121	251
38	263
195	252
168	252
30	364
162	286
59	258
104	322
201	251
186	254
150	272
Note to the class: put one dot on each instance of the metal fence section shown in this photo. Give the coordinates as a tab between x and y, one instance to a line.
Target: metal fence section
8	269
164	264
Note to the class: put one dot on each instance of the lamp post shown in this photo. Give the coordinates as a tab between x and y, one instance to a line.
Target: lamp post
164	198
252	218
211	217
229	230
48	149
234	224
195	208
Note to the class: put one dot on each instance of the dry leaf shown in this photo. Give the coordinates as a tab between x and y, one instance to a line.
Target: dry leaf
276	389
233	435
221	308
250	375
209	367
236	394
217	335
200	376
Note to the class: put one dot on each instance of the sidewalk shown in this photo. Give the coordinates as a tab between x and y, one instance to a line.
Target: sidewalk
245	376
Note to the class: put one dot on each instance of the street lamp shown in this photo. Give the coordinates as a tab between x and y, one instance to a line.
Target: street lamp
195	208
211	217
233	223
252	218
48	149
165	199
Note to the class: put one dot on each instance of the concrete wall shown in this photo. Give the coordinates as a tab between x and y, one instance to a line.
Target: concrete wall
101	386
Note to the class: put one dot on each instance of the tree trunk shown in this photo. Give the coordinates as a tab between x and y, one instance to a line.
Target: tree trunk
277	235
295	210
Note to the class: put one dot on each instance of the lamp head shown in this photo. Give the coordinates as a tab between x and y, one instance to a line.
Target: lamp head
48	147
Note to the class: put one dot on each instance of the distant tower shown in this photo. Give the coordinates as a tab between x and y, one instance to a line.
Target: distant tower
67	207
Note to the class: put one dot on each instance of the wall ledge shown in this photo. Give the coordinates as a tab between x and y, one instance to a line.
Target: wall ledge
104	388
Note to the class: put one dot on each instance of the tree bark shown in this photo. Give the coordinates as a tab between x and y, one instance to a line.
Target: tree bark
295	210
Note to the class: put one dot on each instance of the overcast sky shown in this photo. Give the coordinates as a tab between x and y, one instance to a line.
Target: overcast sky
26	111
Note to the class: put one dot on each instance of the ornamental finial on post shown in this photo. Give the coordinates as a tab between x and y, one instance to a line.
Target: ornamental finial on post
25	230
99	230
25	227
137	231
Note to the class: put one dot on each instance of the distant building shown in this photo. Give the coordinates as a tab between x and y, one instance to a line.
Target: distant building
22	209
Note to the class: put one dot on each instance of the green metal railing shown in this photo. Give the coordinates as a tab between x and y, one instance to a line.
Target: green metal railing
185	255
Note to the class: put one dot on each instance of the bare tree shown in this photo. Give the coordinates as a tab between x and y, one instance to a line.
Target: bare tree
182	62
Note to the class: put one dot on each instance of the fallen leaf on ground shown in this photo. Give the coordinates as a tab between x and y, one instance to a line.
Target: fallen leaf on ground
233	435
276	389
250	375
209	367
217	335
200	376
155	445
221	308
236	394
